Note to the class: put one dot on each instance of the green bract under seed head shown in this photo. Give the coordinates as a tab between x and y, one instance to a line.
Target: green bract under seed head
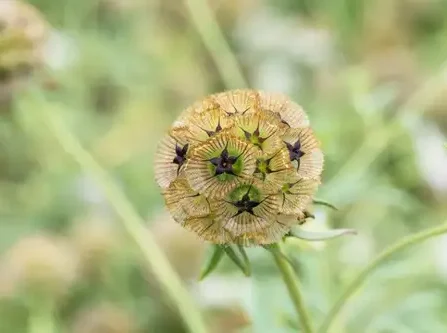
240	167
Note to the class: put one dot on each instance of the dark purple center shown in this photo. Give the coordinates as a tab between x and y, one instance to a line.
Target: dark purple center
295	152
224	163
180	155
245	204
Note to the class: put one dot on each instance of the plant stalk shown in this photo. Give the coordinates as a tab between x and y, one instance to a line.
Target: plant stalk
41	317
292	285
130	220
380	259
206	24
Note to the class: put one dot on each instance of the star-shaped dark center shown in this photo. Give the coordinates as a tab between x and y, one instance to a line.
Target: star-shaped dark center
180	155
245	204
216	130
263	166
255	137
224	163
295	152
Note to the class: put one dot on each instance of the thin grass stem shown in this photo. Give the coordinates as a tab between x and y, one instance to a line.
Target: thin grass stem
130	220
379	260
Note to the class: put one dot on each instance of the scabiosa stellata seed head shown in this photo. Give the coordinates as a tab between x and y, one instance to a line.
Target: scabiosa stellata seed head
240	167
23	36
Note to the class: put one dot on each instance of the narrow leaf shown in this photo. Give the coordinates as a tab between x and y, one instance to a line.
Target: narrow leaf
235	258
246	259
308	215
324	203
321	235
273	249
213	262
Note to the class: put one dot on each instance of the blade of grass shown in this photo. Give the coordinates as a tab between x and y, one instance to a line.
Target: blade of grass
245	257
214	260
377	141
380	259
206	24
132	223
235	258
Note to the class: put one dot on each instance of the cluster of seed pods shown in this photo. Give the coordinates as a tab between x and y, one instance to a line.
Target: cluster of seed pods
240	167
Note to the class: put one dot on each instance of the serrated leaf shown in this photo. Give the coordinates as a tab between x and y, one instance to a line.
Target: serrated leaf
212	262
235	258
321	235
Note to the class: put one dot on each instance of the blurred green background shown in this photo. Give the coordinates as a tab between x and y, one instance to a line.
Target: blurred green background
372	74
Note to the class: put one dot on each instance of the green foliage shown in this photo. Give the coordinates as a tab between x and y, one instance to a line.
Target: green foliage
370	82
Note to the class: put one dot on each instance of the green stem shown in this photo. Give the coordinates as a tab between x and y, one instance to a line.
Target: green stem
382	257
41	317
132	223
246	259
235	258
292	285
203	18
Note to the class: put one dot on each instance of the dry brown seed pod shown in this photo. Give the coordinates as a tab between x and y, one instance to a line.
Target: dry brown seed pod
279	226
239	101
296	196
217	165
246	209
240	167
209	229
208	123
290	113
23	36
260	129
275	170
171	157
305	152
183	202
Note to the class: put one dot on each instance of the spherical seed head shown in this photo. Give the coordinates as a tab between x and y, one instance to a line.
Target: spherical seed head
104	318
240	167
23	36
42	265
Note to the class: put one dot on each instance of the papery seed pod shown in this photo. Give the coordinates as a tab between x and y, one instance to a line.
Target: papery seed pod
297	195
237	101
304	151
23	36
290	114
171	156
183	202
42	265
104	318
246	209
219	163
260	129
275	170
240	167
